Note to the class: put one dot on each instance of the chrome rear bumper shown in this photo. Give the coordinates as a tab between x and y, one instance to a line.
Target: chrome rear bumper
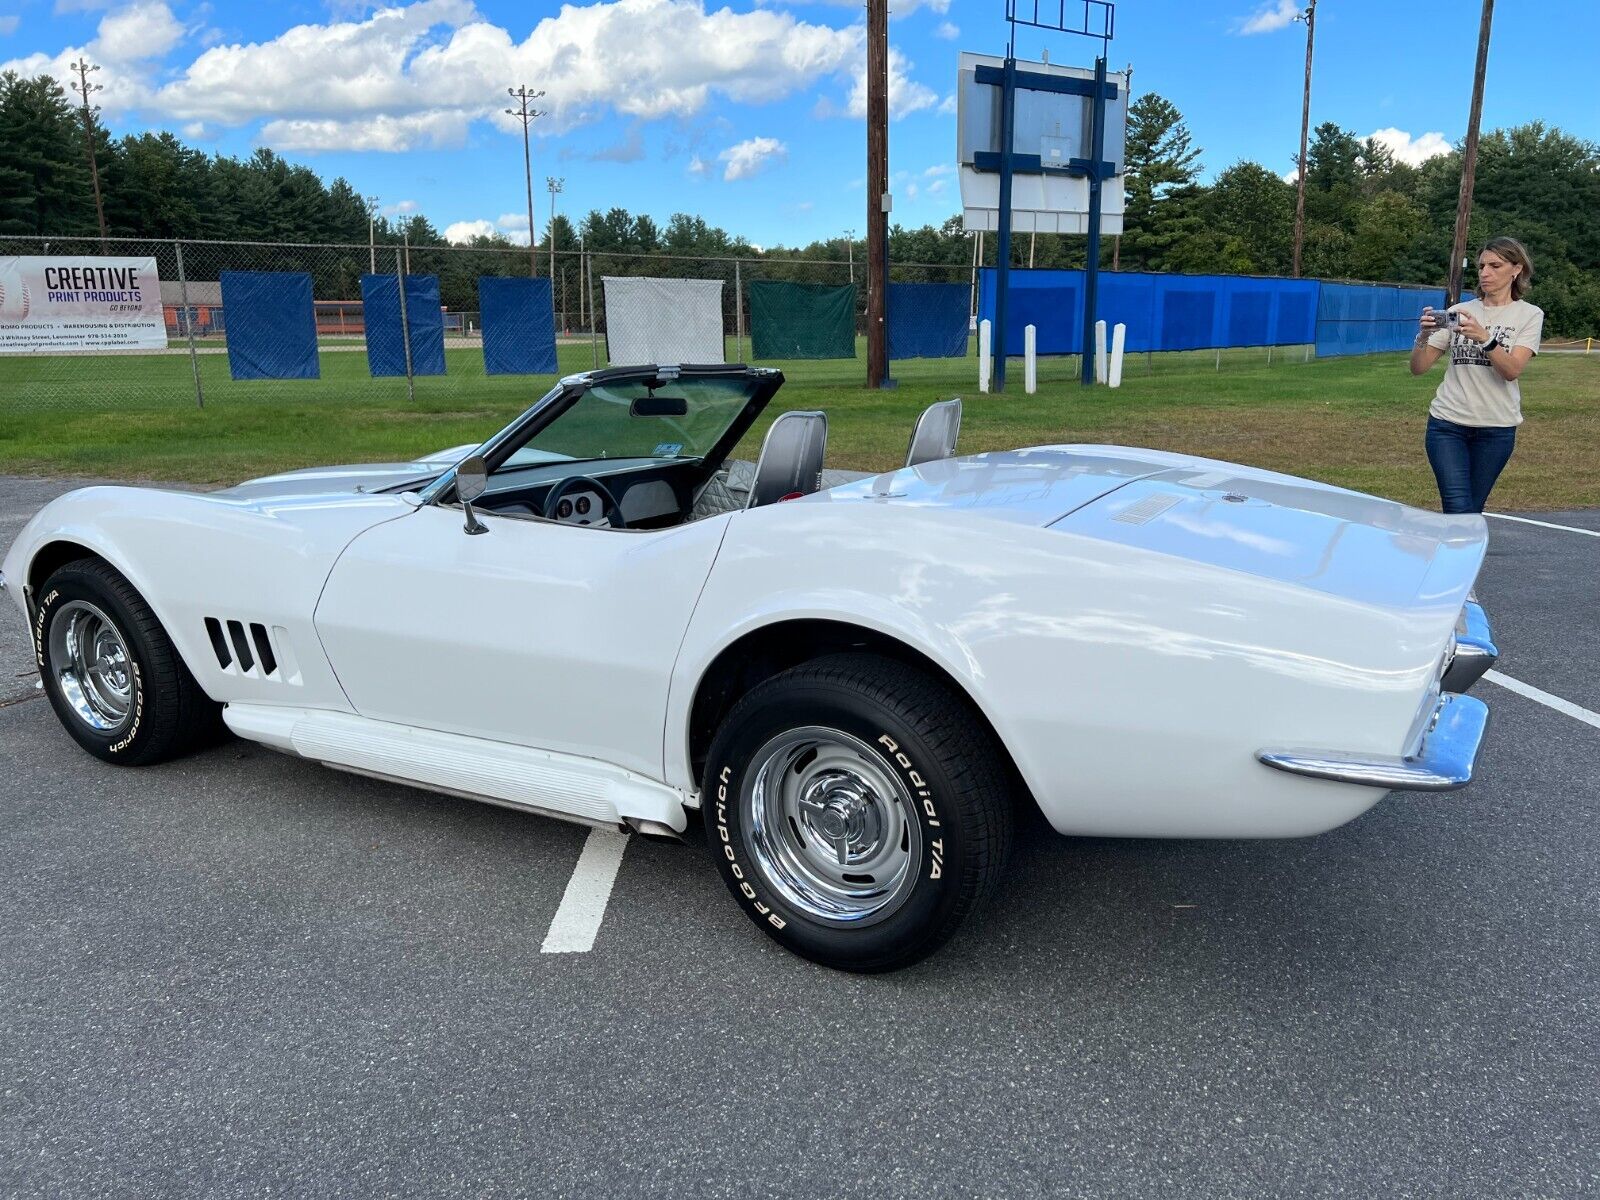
1446	750
1443	762
1475	651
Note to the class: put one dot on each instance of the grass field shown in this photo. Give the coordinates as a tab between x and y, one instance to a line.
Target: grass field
1357	422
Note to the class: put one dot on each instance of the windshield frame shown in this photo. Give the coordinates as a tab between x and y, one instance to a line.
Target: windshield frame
550	407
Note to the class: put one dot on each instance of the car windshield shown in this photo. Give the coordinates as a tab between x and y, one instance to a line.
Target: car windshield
605	422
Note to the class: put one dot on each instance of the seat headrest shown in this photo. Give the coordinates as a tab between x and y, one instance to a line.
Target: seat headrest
791	458
935	434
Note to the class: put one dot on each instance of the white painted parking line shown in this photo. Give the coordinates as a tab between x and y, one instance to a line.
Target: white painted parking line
1572	710
583	905
1544	524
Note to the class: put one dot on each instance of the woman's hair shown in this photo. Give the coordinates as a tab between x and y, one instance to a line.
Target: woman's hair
1515	253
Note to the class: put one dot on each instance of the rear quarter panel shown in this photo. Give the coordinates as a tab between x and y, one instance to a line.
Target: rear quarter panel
1131	687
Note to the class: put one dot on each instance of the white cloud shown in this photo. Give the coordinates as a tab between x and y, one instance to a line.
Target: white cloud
465	231
1270	18
139	31
897	8
906	95
8	24
378	132
513	223
1407	149
948	31
422	73
698	165
937	170
947	106
751	157
402	208
125	46
642	58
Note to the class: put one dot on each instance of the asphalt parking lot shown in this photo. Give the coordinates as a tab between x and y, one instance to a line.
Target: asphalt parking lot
242	974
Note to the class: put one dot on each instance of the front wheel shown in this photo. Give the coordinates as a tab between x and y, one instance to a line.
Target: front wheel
111	672
858	810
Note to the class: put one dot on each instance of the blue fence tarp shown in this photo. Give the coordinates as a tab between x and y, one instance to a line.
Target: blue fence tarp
272	328
519	326
929	320
386	352
1162	312
1364	318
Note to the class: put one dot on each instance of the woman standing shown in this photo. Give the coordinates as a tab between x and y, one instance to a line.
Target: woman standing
1472	423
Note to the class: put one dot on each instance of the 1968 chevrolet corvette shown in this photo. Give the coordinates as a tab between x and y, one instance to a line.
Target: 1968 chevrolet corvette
594	616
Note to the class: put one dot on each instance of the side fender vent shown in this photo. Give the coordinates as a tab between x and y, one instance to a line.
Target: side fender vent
218	644
252	649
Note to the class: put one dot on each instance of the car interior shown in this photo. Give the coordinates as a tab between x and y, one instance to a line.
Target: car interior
642	493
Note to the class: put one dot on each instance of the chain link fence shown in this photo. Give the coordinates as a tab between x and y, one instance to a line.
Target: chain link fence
194	368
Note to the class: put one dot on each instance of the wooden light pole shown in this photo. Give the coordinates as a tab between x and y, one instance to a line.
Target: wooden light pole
877	191
527	115
1310	18
1469	159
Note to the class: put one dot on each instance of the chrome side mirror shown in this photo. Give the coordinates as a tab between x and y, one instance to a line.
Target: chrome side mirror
472	480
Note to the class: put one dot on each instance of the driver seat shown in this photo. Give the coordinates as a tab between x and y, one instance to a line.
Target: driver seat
935	434
791	458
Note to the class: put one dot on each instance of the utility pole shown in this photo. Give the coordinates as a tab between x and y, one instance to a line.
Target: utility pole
527	115
371	203
554	185
877	192
85	89
1310	18
1469	159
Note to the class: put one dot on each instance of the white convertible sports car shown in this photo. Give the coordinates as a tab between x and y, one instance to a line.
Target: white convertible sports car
594	617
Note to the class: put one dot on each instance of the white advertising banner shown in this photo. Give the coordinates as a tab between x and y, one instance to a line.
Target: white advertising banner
70	302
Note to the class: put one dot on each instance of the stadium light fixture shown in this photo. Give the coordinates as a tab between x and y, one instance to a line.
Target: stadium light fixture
527	116
1310	18
85	89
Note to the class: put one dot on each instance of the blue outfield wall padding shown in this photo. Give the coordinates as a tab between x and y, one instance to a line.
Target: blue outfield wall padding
519	326
929	320
1368	318
380	302
1162	312
272	325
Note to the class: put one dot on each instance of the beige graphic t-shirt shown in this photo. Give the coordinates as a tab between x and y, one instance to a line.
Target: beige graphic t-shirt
1472	392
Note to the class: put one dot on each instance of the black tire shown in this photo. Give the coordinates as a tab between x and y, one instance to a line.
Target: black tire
166	713
788	771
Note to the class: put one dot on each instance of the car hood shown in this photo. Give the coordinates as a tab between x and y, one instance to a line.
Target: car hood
357	477
1222	514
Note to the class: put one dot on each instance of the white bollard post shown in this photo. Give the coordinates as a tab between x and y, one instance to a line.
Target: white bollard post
1119	336
985	364
1030	360
1099	351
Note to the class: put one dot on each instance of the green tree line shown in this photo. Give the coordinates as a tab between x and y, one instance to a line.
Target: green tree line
1368	217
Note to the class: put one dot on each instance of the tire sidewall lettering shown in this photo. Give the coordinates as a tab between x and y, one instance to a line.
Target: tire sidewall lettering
894	756
127	740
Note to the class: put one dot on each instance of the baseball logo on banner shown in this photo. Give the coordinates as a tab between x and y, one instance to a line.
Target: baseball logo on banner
50	303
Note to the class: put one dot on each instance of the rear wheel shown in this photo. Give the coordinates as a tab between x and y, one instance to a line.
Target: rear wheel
858	811
113	677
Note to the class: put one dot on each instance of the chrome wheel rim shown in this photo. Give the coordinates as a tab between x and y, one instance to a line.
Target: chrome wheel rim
91	666
832	828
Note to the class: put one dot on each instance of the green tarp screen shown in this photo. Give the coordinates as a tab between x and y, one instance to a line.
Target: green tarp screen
802	320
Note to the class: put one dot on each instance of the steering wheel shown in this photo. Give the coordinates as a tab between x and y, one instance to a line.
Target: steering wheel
576	513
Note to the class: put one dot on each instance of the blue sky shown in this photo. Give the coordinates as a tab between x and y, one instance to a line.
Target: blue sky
749	115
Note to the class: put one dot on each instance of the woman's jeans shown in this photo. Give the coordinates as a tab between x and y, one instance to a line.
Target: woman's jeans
1466	460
